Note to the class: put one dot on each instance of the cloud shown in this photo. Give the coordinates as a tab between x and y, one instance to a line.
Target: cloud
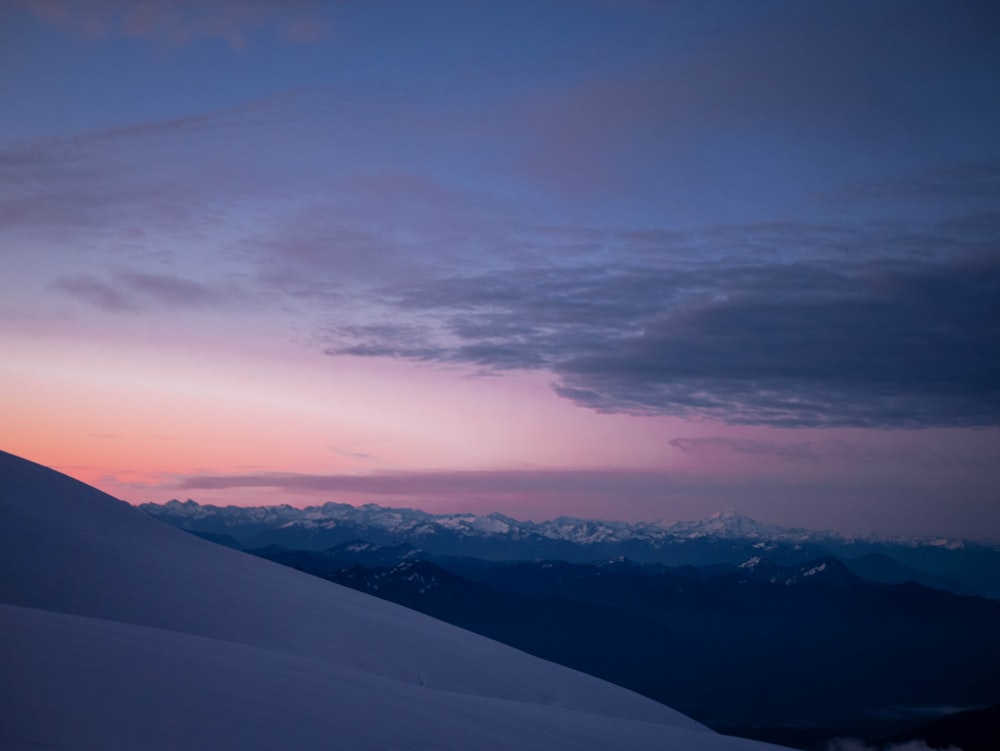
351	454
835	499
528	493
95	292
535	493
131	291
806	452
798	451
947	187
903	344
791	332
432	483
170	291
179	22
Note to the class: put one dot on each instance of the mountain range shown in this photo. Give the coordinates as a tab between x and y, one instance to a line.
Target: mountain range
959	566
784	635
118	631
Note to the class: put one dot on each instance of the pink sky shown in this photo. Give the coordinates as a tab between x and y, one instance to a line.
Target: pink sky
156	423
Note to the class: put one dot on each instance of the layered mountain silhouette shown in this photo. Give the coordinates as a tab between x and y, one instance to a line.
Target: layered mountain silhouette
800	653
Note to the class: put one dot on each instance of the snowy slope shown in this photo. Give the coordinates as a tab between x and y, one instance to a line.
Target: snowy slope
118	631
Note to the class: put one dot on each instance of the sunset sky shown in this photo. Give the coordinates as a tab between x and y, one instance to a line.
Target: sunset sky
630	259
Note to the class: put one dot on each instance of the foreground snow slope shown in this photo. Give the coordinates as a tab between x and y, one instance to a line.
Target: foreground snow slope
118	631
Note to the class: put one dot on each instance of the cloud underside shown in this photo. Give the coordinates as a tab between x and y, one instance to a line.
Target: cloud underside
894	342
438	482
638	486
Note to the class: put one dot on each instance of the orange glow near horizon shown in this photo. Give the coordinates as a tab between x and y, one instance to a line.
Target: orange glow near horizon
137	421
127	417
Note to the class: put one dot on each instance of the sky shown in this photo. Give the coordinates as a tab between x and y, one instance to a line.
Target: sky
629	259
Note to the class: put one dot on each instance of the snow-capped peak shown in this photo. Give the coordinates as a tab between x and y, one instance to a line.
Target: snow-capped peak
730	524
389	524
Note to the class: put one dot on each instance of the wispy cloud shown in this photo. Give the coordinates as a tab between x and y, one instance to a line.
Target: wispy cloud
178	22
969	187
610	493
802	452
131	291
170	290
536	493
529	493
440	482
93	291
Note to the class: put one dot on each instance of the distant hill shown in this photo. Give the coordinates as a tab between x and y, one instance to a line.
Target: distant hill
809	651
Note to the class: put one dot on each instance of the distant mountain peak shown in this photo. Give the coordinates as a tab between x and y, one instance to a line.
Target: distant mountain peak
731	524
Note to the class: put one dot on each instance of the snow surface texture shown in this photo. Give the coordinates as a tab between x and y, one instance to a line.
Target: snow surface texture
118	631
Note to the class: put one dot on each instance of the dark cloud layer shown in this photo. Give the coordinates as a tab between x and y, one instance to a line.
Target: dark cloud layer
806	452
888	326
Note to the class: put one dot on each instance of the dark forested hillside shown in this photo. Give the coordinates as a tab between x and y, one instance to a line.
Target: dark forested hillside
791	653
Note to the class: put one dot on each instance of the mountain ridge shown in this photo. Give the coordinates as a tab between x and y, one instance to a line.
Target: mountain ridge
959	566
725	524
